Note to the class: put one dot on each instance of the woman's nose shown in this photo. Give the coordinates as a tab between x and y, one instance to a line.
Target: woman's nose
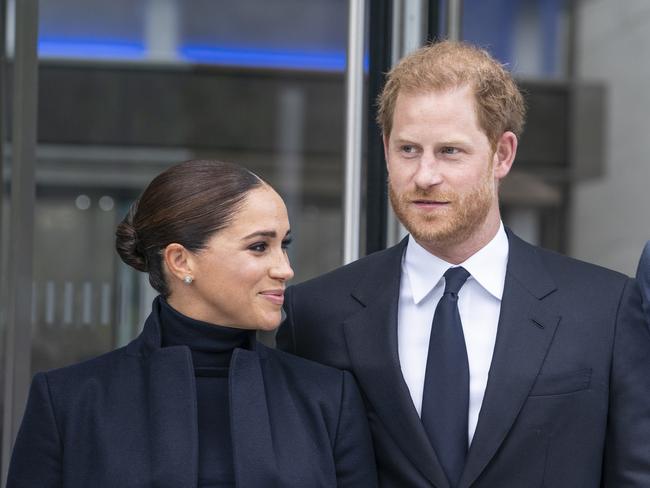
282	269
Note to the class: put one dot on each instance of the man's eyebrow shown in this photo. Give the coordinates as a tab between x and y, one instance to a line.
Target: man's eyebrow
453	142
403	140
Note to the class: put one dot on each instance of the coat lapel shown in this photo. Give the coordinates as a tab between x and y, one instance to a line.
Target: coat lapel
526	329
371	336
173	430
253	450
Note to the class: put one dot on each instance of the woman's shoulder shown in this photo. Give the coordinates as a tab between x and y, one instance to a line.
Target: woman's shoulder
104	366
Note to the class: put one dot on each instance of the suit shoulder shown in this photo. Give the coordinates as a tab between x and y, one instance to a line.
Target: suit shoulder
348	276
560	264
306	375
310	370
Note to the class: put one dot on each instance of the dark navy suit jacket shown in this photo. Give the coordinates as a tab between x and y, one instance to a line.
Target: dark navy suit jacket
643	277
128	419
567	402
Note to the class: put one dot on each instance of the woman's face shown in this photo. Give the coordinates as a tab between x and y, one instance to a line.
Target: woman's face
239	278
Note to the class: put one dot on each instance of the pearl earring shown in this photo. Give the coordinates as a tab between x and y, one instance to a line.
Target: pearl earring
188	279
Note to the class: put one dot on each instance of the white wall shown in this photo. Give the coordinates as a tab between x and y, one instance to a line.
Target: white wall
610	218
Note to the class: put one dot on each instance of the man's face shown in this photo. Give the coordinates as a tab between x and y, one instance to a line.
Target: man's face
442	182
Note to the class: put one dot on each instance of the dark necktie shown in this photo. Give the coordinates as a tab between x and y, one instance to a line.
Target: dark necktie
445	399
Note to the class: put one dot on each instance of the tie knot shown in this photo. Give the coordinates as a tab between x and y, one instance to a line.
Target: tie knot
454	279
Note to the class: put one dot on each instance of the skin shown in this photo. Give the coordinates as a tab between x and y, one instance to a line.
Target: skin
240	276
444	173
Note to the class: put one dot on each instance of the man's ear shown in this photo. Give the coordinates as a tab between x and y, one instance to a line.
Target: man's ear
504	154
178	261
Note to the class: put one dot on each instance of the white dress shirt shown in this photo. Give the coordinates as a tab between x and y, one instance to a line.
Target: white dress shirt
479	305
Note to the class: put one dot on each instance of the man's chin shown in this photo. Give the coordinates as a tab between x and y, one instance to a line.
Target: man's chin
430	231
437	231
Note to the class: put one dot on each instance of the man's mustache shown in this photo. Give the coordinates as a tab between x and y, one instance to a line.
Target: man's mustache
434	196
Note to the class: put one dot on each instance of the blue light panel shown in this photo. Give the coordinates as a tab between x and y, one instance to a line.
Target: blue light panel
254	57
91	49
264	58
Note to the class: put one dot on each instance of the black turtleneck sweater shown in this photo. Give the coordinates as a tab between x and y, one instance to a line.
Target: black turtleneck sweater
212	347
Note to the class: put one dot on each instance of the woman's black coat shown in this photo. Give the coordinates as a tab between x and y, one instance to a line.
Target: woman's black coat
128	419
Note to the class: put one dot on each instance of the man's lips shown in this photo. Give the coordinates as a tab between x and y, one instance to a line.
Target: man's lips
274	296
430	204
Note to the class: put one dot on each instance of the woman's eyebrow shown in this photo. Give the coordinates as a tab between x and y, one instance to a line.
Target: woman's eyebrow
261	233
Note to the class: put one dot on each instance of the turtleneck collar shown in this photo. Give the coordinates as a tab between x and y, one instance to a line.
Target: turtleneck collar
211	345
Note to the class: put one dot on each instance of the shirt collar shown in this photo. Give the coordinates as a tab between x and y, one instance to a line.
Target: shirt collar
487	266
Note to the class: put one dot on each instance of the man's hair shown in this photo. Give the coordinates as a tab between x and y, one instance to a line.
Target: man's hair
446	65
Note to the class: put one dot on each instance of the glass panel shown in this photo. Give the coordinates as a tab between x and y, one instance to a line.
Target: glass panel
290	34
531	36
583	154
4	251
609	214
92	30
128	88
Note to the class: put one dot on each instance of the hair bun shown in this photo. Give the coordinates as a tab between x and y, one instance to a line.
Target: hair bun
128	245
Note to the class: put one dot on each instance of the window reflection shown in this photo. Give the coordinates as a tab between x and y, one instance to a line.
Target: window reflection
129	88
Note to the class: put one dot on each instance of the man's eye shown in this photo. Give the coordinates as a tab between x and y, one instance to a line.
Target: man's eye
408	149
449	150
258	247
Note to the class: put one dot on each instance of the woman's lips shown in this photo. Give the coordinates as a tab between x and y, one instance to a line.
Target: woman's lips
274	296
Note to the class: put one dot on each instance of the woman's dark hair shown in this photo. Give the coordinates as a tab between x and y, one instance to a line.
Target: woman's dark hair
185	204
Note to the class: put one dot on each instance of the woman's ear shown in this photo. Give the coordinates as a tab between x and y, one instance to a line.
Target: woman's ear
179	261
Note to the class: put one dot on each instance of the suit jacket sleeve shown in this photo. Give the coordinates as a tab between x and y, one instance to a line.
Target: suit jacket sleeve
643	277
627	450
36	459
285	337
353	453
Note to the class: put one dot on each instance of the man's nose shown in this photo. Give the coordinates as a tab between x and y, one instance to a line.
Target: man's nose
428	173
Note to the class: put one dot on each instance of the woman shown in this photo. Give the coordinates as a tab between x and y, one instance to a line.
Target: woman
195	400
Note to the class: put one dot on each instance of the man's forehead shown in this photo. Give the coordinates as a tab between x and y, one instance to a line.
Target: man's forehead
410	92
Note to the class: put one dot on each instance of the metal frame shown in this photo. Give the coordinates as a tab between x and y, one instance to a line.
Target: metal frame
434	14
454	20
380	53
20	272
3	238
353	130
414	22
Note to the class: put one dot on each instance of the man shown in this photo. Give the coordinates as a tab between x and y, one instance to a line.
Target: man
484	362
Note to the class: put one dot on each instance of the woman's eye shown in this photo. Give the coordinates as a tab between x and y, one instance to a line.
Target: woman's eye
286	243
258	247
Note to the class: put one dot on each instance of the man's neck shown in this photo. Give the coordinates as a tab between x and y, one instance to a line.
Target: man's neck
456	253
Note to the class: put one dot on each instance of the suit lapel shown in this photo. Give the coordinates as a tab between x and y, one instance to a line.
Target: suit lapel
526	329
371	336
